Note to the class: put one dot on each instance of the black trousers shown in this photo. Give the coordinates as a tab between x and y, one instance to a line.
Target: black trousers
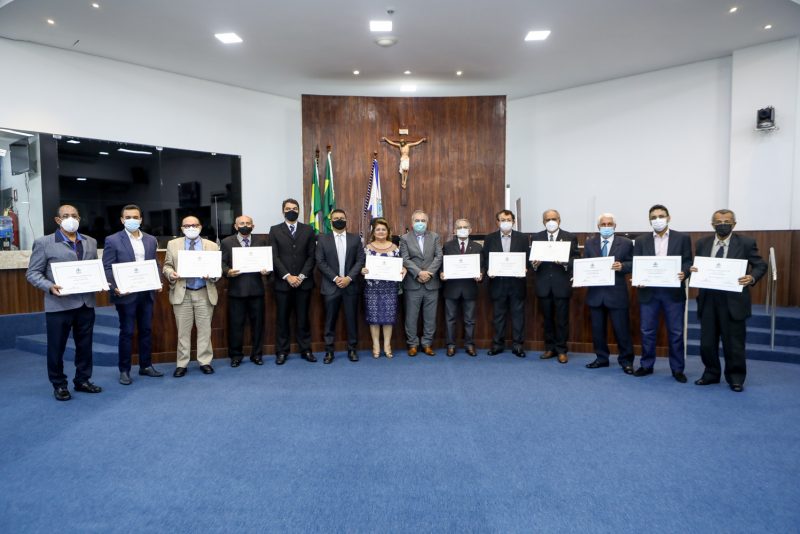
511	303
621	324
555	312
451	320
241	310
80	322
715	325
297	301
138	313
332	305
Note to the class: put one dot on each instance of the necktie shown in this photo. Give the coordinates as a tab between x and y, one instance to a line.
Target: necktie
551	237
291	230
462	247
420	241
604	250
246	242
720	251
341	250
192	244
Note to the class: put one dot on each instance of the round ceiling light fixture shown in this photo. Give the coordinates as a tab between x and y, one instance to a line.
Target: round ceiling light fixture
386	41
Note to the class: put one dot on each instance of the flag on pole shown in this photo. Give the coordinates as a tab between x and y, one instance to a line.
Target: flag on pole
316	200
328	196
375	201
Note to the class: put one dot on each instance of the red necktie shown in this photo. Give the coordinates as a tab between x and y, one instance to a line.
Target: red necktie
462	247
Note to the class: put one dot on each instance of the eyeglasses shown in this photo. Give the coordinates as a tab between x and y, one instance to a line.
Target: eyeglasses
70	216
191	226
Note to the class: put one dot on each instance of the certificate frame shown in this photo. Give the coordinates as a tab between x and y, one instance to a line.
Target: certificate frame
550	251
721	274
461	266
387	268
251	259
83	276
652	271
507	264
199	263
136	276
591	272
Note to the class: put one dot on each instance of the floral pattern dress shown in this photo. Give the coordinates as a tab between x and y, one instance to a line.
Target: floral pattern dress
380	296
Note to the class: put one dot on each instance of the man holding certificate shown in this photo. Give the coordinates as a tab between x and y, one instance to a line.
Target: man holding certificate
654	299
553	284
135	308
507	291
605	301
722	313
192	297
65	313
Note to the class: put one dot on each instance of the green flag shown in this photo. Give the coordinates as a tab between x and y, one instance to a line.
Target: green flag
316	200
328	197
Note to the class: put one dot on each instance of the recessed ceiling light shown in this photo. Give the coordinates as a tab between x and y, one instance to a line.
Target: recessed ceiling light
734	9
81	179
73	142
386	41
356	72
406	72
104	153
228	38
408	87
95	5
380	25
51	22
768	27
537	35
129	151
459	73
15	132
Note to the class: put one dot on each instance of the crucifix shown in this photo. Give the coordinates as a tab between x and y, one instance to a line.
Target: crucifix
405	148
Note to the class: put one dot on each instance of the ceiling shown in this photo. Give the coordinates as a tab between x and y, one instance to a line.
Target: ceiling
312	46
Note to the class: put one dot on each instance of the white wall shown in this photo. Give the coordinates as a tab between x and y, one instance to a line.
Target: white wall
76	94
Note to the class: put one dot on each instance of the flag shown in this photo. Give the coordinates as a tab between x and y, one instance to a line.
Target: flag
328	197
374	199
316	201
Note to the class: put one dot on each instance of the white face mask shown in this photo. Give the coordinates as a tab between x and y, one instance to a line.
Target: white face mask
659	223
191	233
551	226
70	225
506	226
462	233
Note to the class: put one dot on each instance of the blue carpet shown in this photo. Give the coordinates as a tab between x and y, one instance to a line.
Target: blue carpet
404	445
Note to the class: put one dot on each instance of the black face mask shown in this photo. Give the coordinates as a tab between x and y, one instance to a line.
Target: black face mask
245	230
723	230
339	224
291	216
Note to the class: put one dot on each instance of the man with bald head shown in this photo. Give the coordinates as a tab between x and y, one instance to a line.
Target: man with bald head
192	299
245	294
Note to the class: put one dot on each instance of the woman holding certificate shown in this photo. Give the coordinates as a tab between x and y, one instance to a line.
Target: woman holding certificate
380	296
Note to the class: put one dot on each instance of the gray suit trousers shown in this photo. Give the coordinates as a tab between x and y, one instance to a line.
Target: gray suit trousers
428	301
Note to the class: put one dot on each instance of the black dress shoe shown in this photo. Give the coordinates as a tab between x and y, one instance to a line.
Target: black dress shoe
680	377
280	358
451	351
257	360
179	372
61	393
235	362
352	355
87	387
470	350
494	351
705	381
738	388
150	371
328	358
207	369
627	369
596	364
643	371
308	356
519	353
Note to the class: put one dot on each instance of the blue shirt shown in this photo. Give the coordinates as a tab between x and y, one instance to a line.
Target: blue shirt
194	283
77	246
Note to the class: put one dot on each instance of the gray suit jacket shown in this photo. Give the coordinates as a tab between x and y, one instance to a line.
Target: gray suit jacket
415	260
47	250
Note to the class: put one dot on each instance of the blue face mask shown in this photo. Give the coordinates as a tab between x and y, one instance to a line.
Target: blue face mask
606	231
420	227
132	225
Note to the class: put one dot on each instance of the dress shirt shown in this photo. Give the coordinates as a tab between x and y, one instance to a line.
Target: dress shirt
137	244
661	243
505	239
724	243
77	246
193	283
421	242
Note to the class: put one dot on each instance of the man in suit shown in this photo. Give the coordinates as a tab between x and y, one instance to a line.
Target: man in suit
135	310
192	299
462	292
340	258
554	288
245	294
663	241
65	313
508	294
605	301
293	247
723	314
421	251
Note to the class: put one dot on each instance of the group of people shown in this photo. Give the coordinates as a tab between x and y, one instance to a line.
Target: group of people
340	257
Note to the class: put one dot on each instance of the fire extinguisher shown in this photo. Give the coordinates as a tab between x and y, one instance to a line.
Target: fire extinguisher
15	226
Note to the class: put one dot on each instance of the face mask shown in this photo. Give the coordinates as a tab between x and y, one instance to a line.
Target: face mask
723	230
245	230
506	226
659	224
420	227
291	216
463	233
191	233
70	225
606	231
551	226
339	224
132	225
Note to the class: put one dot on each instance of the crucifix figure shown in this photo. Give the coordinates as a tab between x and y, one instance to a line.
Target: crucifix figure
404	147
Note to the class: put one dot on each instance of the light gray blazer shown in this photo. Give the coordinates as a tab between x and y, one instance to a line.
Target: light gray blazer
415	260
47	250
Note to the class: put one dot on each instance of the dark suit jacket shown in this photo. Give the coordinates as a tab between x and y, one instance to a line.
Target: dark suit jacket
328	263
454	289
118	249
679	245
501	286
292	256
615	296
245	284
742	248
552	277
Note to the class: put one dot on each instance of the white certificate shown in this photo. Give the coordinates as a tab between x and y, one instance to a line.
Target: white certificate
87	276
199	263
718	273
593	272
251	259
508	264
550	251
384	268
458	266
136	276
656	271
